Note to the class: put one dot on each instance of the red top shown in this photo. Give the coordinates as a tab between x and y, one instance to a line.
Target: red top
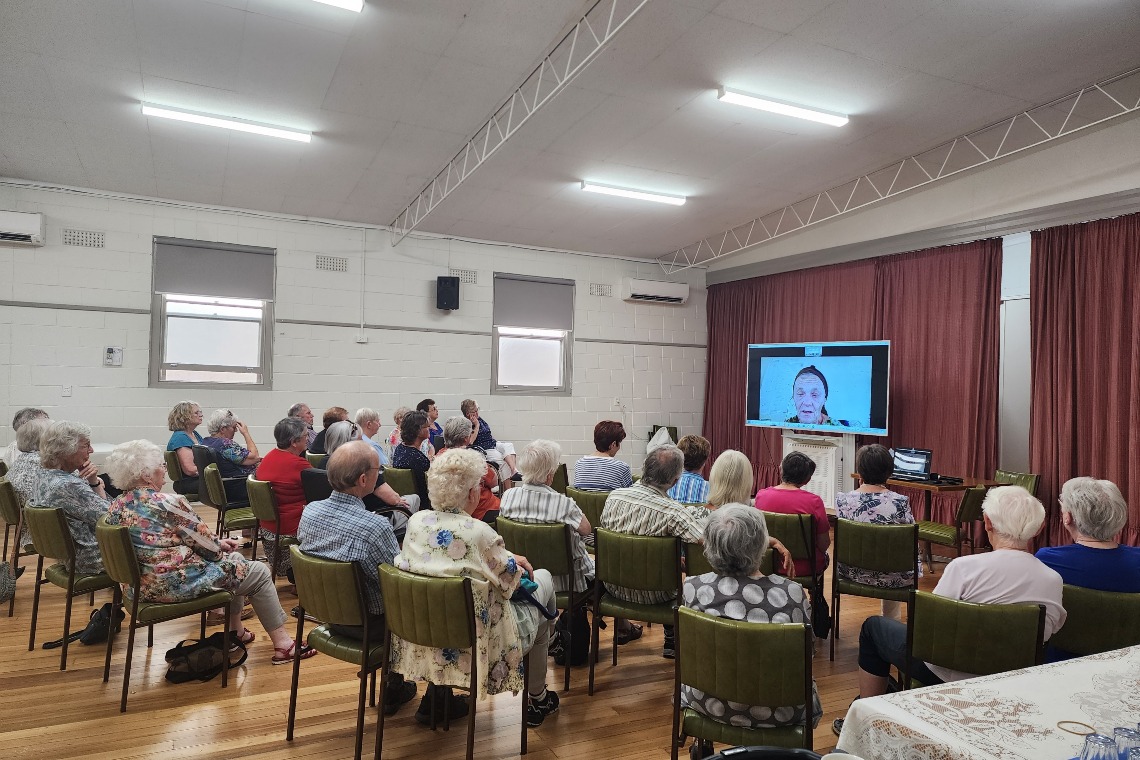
797	502
283	469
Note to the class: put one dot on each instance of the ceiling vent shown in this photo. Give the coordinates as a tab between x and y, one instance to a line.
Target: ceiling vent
84	238
651	291
18	228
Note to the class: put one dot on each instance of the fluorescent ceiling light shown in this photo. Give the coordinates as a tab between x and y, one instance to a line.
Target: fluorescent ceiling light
775	106
672	200
348	5
225	123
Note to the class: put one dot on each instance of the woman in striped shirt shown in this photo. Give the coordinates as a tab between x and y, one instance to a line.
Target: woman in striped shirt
603	471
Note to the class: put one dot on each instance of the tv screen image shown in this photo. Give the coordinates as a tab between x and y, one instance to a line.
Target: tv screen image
839	387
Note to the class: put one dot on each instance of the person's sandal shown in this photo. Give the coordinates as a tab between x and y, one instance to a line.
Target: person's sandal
245	639
633	634
285	656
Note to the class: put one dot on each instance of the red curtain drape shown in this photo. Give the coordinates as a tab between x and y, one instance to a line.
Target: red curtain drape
940	310
1085	337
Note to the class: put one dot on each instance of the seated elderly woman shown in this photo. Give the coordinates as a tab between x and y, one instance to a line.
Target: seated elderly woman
26	468
282	468
26	414
735	540
535	501
340	433
499	453
414	430
730	482
180	557
369	422
873	502
397	418
65	450
234	461
459	433
183	421
790	498
602	470
449	542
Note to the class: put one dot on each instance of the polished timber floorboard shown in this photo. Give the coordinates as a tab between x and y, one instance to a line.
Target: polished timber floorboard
51	714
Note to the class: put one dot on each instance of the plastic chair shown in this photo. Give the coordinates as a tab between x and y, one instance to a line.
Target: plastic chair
1027	480
334	592
230	518
13	517
174	470
122	565
437	613
766	664
980	639
50	534
1098	621
263	504
969	512
549	547
644	563
870	546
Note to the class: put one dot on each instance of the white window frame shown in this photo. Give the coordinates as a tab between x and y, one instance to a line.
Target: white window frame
159	367
565	340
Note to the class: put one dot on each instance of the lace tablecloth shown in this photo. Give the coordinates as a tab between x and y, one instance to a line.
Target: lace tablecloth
1008	716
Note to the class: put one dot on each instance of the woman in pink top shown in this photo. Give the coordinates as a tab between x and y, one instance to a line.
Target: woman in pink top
789	498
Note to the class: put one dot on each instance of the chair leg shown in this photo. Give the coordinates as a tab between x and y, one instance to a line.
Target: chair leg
7	532
116	602
66	629
929	559
297	677
91	599
225	645
593	656
567	635
363	678
202	626
834	625
614	641
380	715
127	665
525	702
372	689
471	721
150	636
36	604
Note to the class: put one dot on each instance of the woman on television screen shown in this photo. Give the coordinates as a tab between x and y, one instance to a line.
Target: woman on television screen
809	399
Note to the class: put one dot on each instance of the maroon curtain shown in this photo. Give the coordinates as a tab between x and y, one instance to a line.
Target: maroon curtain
1085	337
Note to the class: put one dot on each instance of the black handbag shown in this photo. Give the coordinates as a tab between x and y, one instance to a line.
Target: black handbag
202	660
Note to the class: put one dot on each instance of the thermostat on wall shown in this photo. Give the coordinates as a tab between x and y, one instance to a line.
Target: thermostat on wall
113	356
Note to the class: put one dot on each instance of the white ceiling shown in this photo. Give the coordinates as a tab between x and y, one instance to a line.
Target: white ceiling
391	93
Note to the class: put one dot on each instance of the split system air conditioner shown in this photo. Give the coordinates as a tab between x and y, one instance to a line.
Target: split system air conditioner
651	291
19	228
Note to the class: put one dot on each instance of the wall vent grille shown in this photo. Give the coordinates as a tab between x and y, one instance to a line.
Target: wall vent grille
331	263
466	276
598	289
85	238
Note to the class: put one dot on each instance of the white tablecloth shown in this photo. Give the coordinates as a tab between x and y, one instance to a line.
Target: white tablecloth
1008	716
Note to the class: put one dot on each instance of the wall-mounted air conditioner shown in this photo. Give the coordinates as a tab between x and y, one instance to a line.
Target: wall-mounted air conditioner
651	291
19	228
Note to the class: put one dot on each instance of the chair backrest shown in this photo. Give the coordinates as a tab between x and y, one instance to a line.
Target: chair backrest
401	480
315	460
431	612
646	563
561	479
880	548
590	502
173	466
3	468
795	532
330	591
215	490
970	508
9	503
262	500
50	534
696	563
546	545
315	484
203	455
760	664
979	639
1098	621
119	558
1026	480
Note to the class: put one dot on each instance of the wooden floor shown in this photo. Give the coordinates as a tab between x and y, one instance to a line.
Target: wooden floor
51	714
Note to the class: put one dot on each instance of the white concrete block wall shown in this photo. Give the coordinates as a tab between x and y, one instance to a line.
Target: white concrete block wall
644	364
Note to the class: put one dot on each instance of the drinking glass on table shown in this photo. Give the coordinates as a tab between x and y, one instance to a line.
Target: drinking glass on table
1099	747
1126	739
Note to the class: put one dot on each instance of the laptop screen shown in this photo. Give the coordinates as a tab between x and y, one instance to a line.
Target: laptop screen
912	461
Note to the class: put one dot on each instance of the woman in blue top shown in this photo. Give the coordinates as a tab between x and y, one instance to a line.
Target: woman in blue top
183	420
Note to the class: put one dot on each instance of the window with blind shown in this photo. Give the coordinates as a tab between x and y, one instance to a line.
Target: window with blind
212	314
532	336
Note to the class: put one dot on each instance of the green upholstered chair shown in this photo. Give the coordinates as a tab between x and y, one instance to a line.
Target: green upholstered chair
797	533
13	517
52	538
230	518
174	470
960	532
401	480
334	592
767	664
697	564
314	459
437	613
548	547
1026	480
880	548
980	639
122	564
590	502
263	504
561	479
644	563
1098	621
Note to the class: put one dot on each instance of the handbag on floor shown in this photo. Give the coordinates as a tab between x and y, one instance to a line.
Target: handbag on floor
7	581
202	660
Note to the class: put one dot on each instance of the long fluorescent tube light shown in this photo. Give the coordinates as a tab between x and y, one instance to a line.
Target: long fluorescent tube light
225	123
775	106
672	200
348	5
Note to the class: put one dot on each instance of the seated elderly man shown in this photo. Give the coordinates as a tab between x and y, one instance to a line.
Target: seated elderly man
65	449
305	414
332	415
498	452
692	488
1007	575
340	528
369	422
645	509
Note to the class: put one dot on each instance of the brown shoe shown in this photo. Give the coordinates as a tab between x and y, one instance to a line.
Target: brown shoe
213	617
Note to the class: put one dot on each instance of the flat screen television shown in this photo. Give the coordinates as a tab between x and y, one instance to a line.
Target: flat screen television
840	387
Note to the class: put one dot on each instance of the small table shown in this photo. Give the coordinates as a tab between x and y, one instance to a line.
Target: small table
1007	716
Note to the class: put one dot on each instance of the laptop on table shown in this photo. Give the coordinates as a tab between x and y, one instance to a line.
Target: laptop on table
912	464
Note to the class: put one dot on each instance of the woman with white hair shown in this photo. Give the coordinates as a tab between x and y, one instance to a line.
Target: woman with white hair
26	468
735	540
369	422
397	417
234	460
65	450
180	557
460	433
449	542
1094	512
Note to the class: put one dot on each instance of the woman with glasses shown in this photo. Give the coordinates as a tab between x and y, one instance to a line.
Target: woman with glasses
282	468
183	422
234	460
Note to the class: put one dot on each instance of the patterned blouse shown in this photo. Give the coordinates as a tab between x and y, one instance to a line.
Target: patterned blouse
882	508
450	543
767	599
178	553
23	476
83	508
410	458
230	457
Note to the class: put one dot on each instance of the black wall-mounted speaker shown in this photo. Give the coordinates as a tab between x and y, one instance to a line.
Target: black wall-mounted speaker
447	293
